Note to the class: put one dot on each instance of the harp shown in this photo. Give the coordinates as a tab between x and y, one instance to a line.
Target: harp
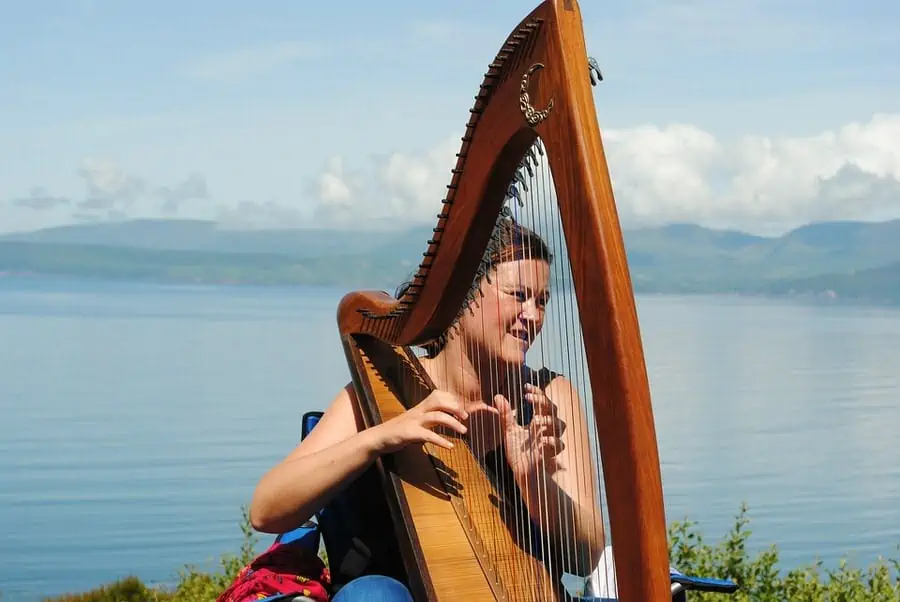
531	156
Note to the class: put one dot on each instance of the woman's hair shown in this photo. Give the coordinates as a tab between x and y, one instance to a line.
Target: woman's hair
513	242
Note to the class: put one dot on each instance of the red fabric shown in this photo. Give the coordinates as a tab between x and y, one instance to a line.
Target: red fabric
282	569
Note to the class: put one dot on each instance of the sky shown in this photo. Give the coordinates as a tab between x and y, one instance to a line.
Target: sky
760	115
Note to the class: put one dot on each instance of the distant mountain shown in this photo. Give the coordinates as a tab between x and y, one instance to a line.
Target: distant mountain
834	247
682	258
697	236
874	285
692	258
156	265
200	235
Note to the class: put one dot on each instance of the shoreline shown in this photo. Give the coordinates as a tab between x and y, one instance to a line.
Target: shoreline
825	297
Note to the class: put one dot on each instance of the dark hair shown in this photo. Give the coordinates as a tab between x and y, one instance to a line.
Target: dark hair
512	242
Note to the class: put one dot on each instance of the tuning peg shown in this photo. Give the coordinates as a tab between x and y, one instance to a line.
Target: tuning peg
521	179
594	71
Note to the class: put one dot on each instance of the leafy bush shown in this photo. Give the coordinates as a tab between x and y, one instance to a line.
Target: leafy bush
761	580
759	577
129	589
196	586
193	585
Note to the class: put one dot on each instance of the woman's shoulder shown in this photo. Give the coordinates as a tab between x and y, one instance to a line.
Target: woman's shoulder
340	420
557	387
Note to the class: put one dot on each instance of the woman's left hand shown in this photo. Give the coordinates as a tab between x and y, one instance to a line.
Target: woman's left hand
531	448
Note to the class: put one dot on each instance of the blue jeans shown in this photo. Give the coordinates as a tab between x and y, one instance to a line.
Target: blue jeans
378	588
373	588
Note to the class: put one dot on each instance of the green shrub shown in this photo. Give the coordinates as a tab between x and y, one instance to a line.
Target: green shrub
759	577
196	586
129	589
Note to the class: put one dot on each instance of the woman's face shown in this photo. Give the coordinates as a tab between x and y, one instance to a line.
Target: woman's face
509	316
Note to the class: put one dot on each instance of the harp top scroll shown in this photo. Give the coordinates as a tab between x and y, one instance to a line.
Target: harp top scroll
532	116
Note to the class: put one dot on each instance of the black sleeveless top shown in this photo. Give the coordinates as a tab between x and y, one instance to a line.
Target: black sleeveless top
498	470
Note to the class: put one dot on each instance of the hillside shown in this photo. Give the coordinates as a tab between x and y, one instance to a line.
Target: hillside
94	261
879	285
690	258
207	236
681	258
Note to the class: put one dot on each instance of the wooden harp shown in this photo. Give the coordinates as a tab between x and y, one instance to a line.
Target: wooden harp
531	155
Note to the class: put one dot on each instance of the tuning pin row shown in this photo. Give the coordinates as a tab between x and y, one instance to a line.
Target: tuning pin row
528	164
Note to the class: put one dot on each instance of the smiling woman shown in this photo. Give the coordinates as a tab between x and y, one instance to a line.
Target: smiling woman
521	266
528	422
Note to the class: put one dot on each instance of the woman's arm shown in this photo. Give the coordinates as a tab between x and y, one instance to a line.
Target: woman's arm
338	450
335	453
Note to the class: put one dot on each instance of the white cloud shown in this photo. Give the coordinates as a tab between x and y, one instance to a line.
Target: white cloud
677	173
110	193
649	165
111	189
834	175
400	186
333	190
661	174
681	173
191	188
411	179
40	200
106	179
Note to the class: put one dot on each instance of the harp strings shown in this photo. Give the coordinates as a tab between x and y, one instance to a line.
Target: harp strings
588	470
478	360
521	284
539	198
536	214
535	296
560	535
569	358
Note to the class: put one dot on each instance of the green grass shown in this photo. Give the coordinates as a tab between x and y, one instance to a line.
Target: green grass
193	585
762	580
759	575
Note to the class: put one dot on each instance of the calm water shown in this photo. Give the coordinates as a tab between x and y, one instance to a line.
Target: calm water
136	420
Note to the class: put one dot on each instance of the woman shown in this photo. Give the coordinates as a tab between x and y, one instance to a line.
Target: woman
528	421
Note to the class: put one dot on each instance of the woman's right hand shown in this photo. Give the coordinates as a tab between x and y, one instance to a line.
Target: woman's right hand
415	425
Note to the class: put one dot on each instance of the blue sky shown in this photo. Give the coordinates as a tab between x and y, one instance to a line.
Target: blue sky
757	114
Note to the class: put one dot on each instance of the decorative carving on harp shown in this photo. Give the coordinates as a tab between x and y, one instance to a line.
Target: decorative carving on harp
523	292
